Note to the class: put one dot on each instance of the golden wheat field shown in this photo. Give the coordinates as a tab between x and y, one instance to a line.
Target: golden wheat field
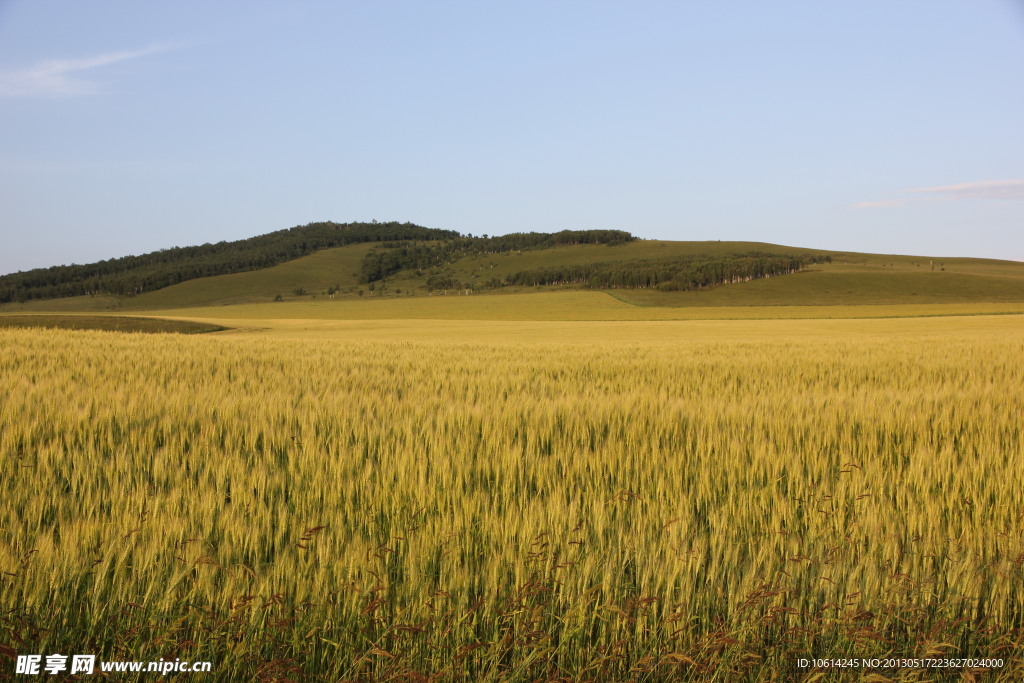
586	503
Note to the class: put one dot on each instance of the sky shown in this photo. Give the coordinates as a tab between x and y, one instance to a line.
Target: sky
878	126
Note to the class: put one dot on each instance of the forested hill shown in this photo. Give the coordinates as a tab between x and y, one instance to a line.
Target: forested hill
135	274
131	275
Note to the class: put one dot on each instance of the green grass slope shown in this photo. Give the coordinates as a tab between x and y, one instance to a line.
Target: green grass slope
314	273
851	279
860	279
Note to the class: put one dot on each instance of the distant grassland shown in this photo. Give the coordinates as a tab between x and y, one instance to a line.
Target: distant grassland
599	502
566	305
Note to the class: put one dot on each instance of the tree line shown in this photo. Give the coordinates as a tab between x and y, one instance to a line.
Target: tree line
393	257
666	274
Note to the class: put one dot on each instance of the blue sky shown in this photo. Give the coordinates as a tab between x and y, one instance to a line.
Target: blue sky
892	127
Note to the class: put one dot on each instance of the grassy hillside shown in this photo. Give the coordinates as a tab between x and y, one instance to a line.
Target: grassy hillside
842	282
314	273
851	279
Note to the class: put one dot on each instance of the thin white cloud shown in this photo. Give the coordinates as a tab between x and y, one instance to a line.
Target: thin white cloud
64	77
984	189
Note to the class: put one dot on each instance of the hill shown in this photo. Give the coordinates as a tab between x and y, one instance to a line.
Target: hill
402	246
391	260
131	275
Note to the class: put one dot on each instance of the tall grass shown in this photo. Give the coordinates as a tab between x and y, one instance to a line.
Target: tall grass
583	510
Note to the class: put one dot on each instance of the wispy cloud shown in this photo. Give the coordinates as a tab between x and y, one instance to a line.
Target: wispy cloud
984	189
64	77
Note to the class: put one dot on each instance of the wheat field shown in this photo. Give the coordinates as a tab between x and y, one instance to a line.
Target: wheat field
576	506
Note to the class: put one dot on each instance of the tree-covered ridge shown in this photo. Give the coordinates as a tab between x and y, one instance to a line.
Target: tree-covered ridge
131	275
392	257
404	247
667	274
